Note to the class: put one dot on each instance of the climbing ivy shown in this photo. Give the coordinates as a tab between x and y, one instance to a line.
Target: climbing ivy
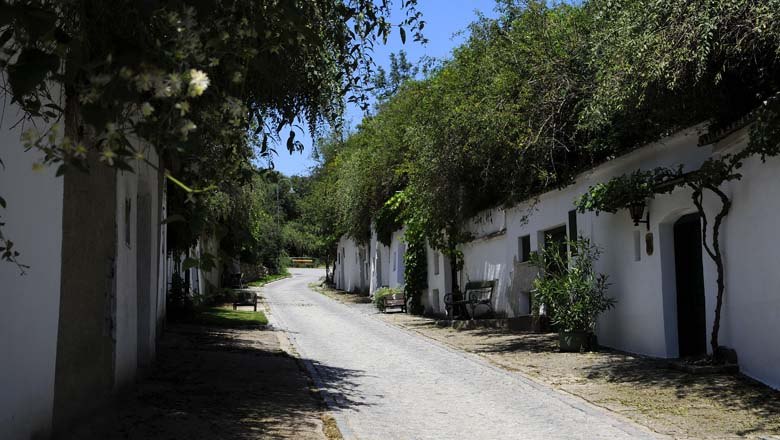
415	266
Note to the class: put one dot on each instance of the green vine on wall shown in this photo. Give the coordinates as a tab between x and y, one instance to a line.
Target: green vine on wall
415	267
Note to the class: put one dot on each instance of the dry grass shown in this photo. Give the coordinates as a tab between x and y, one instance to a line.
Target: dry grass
338	295
330	428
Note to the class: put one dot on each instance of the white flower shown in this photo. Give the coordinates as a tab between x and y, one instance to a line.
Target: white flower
187	127
107	156
147	109
199	82
183	107
100	80
80	151
174	80
29	136
167	87
144	82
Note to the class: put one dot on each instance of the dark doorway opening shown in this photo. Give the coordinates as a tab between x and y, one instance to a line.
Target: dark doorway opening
691	316
556	239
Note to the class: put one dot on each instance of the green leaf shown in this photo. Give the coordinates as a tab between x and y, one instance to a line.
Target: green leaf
30	70
189	263
124	166
403	34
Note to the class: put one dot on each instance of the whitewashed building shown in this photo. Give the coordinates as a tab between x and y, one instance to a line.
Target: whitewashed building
663	281
351	270
84	319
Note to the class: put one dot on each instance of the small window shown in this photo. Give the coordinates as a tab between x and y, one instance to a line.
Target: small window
395	260
128	213
524	248
435	262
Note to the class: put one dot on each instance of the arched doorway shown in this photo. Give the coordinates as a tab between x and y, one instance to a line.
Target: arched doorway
689	275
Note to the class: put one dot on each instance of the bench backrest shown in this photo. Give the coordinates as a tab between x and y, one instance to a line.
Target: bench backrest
482	290
246	297
236	280
395	297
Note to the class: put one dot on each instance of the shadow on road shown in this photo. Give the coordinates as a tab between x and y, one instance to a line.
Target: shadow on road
212	383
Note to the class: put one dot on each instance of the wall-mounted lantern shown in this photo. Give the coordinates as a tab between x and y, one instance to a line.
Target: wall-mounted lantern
637	210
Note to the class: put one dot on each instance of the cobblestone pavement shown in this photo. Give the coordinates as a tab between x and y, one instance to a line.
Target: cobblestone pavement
383	382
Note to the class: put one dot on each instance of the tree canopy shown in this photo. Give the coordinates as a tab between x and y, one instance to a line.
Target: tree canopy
544	91
207	84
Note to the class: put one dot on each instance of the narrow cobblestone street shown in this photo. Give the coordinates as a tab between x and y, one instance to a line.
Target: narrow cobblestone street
402	385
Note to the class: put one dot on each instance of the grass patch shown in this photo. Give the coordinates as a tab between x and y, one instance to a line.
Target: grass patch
330	428
225	317
341	296
268	278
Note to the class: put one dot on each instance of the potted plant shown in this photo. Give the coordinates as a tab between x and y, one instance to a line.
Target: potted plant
571	292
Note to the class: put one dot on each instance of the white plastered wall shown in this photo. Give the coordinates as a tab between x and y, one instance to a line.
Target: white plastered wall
352	266
125	308
439	284
136	317
396	259
645	317
29	316
750	320
379	262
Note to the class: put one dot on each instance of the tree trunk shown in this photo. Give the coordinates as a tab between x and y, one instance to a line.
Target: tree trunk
715	254
454	273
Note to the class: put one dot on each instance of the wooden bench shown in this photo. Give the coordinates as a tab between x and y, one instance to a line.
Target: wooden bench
246	298
395	300
302	262
476	293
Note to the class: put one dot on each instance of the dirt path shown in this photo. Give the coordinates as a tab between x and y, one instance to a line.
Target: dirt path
213	383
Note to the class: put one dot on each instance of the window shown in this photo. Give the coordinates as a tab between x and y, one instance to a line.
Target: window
524	248
435	262
128	213
395	259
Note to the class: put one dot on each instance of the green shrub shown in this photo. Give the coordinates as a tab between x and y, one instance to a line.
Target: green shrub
223	295
178	299
571	290
381	293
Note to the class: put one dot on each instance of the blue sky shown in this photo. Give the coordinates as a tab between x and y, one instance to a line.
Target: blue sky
443	19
